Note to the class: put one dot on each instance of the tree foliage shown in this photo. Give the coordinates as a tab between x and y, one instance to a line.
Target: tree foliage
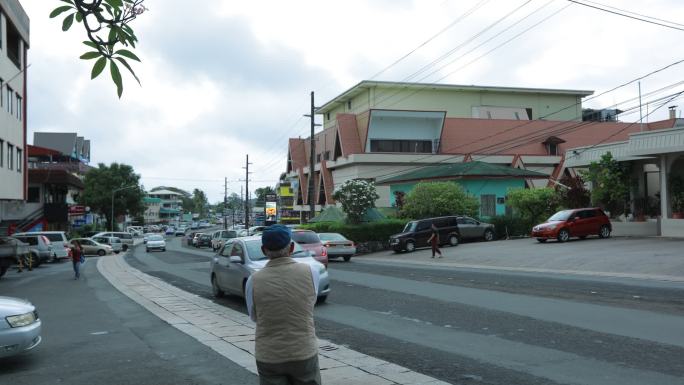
433	199
610	184
261	193
533	205
356	197
199	202
572	194
103	181
106	23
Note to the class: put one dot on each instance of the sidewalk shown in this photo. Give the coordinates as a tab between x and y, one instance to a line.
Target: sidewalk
231	333
656	259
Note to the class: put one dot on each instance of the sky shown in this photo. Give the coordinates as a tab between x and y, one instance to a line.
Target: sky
223	79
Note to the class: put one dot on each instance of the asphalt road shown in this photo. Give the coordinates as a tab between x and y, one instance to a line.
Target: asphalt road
92	334
466	326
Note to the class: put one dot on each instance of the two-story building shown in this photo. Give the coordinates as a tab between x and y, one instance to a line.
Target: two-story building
377	130
14	43
171	204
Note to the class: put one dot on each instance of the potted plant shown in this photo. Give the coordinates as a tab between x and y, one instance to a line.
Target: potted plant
677	193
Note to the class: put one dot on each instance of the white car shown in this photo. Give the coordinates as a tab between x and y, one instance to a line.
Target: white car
155	242
58	240
20	326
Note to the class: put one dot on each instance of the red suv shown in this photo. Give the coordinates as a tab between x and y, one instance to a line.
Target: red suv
573	223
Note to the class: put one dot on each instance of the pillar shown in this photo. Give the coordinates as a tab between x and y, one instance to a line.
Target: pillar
664	196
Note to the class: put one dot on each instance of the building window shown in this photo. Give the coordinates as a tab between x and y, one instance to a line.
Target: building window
10	156
33	195
488	205
13	44
19	107
327	116
10	93
20	159
409	146
553	149
326	155
349	104
318	158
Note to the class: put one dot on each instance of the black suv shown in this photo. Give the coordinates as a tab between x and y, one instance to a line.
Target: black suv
417	233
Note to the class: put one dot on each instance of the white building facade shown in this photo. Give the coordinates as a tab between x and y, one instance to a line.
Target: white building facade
14	40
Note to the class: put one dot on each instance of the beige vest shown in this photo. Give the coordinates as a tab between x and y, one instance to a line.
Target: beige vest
284	300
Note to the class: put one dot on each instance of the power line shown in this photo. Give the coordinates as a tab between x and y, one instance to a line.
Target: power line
633	13
629	16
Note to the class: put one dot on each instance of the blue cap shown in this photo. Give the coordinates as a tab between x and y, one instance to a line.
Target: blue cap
276	237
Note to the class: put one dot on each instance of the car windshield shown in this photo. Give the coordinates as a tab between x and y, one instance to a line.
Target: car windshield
255	253
156	238
305	237
331	237
561	216
410	227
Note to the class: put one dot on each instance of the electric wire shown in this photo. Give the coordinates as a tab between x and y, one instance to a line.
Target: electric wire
628	16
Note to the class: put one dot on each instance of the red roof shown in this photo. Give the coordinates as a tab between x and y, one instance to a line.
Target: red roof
42	151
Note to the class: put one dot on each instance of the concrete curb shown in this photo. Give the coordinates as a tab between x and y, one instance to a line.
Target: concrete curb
231	333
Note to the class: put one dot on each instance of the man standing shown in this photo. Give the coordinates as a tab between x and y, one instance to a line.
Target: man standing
280	299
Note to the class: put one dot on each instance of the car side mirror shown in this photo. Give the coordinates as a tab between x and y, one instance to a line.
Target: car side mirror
235	259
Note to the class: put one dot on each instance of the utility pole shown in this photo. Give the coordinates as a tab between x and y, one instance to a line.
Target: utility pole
225	204
312	158
641	116
247	194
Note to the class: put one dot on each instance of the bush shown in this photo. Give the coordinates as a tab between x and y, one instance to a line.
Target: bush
513	226
364	232
436	199
533	205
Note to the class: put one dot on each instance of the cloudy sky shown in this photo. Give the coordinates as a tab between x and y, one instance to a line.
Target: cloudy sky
222	79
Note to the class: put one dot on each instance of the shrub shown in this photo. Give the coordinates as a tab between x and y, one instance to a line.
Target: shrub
512	226
356	197
533	205
365	232
435	199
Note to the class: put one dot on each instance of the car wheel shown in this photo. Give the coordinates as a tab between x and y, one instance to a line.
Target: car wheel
215	289
125	247
410	246
164	249
147	250
347	258
453	240
3	270
541	240
563	235
321	299
117	252
101	253
488	235
605	232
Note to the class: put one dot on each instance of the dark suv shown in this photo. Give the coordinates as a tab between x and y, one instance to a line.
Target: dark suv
416	233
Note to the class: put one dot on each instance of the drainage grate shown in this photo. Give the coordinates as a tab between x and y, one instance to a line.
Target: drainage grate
328	348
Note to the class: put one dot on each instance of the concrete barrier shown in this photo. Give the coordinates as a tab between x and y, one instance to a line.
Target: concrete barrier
635	229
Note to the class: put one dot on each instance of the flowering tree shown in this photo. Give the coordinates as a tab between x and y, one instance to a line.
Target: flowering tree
356	197
106	25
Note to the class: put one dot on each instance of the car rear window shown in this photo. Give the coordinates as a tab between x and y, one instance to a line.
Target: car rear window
255	253
156	238
331	237
229	234
305	237
30	240
55	237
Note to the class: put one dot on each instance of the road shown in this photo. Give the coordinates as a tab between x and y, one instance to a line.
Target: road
93	334
469	326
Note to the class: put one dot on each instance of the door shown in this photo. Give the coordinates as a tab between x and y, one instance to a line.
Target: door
578	224
221	265
423	232
487	205
468	227
88	246
234	270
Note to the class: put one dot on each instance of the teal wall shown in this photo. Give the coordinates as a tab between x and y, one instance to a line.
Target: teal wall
476	187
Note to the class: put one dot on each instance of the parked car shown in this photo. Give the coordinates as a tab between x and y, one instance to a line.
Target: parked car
218	238
155	242
58	240
204	240
195	239
39	247
470	228
417	233
10	250
189	237
91	247
310	241
241	257
580	223
113	242
338	246
126	238
21	327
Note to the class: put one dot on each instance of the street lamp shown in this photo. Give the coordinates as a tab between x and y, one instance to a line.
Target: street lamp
111	220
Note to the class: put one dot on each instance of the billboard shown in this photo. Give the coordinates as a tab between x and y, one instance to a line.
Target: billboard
271	210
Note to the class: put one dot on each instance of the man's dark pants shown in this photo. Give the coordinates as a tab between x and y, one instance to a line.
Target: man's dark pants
305	372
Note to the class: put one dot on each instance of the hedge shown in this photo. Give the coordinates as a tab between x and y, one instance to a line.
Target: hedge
365	232
513	226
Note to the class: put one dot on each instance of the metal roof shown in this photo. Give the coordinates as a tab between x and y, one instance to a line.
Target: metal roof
461	170
366	84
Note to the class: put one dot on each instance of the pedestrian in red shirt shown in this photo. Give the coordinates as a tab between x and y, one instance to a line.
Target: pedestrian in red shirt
76	258
434	241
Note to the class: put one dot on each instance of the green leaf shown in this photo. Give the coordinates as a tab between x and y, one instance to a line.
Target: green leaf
91	55
115	3
125	63
98	67
128	54
59	10
116	77
113	34
79	17
90	44
68	21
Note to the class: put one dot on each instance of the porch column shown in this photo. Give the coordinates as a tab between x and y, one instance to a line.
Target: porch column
664	196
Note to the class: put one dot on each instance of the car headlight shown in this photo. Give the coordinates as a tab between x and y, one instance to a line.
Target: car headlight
17	321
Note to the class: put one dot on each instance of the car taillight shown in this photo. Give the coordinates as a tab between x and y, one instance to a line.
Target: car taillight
324	251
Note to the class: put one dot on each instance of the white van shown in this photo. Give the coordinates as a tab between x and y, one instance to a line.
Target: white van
58	240
126	237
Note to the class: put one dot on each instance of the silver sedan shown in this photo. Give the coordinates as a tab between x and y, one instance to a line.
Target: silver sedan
20	326
470	228
241	257
338	246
